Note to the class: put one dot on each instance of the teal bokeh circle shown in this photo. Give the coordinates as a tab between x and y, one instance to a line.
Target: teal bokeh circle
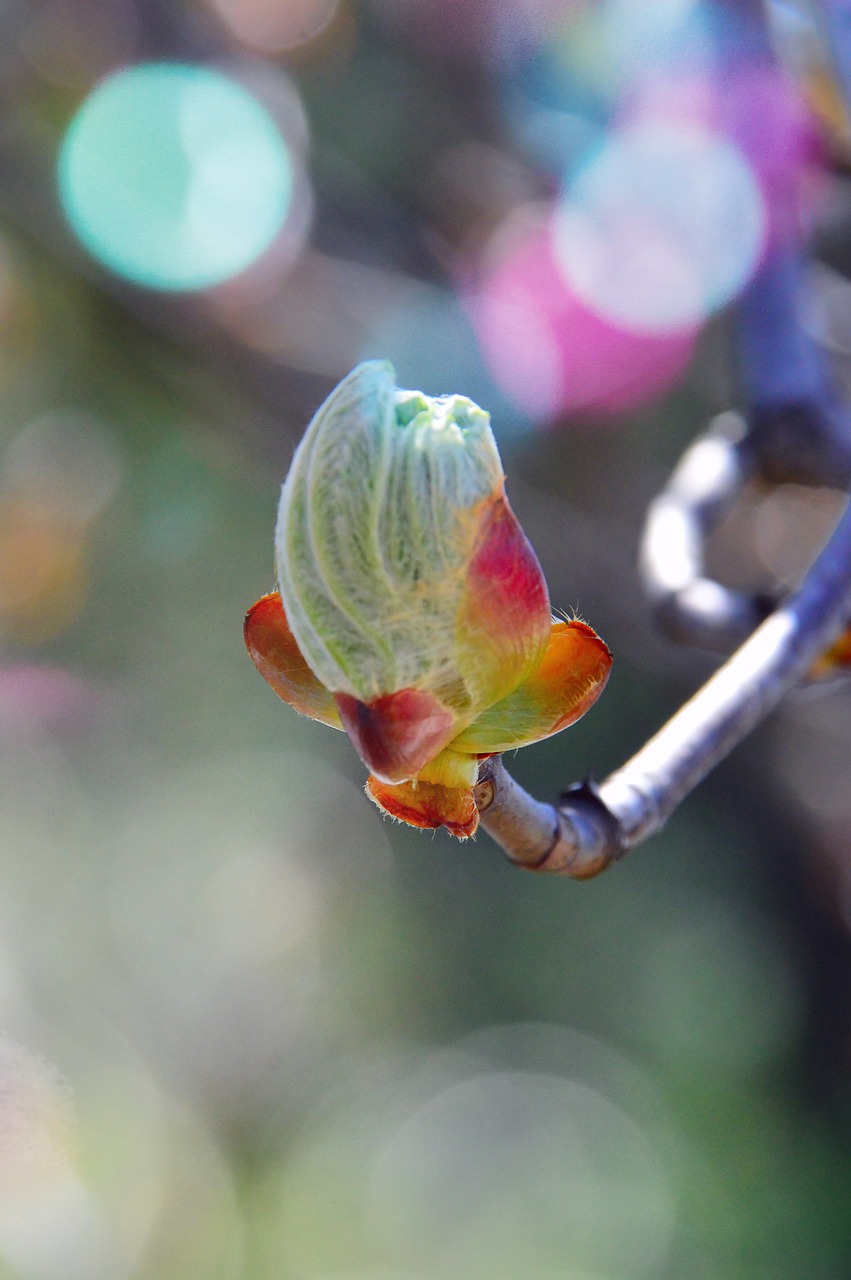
174	176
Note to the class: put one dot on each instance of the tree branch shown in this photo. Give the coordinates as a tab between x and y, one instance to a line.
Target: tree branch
795	427
594	826
689	606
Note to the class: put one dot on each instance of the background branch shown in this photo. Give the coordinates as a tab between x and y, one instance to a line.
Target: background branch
795	428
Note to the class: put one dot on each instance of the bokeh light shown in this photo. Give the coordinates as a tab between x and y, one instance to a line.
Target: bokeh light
487	31
217	910
174	176
662	227
552	352
592	59
290	1038
49	1223
57	476
523	1168
101	1175
66	460
757	107
271	26
38	697
75	42
637	42
521	1150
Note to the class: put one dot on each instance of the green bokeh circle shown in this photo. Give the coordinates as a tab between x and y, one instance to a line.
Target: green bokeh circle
174	176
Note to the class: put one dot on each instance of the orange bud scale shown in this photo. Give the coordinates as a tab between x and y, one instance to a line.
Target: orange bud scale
404	734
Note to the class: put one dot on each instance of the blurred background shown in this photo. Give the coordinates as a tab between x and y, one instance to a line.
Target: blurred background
250	1029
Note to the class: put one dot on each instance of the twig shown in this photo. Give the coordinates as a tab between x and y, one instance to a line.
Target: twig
689	606
594	826
795	428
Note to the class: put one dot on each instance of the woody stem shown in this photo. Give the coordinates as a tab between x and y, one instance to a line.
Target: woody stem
594	826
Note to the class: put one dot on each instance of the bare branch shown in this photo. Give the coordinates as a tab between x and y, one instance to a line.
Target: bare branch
595	826
690	607
795	428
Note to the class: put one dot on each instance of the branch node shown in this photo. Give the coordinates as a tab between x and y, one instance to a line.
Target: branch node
597	837
484	793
